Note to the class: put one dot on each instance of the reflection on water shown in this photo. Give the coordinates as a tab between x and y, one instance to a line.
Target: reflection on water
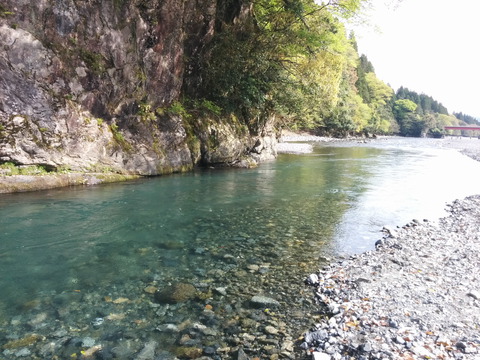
404	185
207	227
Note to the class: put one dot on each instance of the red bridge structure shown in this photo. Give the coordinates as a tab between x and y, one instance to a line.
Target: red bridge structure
474	128
465	130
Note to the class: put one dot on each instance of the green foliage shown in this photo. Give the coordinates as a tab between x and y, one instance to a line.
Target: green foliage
292	59
425	103
146	113
467	118
364	67
94	61
12	169
4	12
403	106
209	106
436	133
119	138
411	124
286	59
175	109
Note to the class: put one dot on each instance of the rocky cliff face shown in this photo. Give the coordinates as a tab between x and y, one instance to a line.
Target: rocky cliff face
89	85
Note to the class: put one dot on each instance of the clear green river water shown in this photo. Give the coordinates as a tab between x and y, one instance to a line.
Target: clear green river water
66	255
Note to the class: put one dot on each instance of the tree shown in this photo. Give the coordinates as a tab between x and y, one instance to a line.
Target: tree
410	123
286	59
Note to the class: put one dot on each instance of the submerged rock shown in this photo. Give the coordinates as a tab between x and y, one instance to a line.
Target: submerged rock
148	351
176	293
189	352
260	301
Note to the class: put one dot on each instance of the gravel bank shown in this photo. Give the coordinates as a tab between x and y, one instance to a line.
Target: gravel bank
417	296
292	143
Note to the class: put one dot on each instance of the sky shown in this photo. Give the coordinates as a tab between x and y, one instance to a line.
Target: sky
428	46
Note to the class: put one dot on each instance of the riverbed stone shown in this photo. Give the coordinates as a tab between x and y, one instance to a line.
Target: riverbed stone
261	301
176	293
271	330
148	351
189	352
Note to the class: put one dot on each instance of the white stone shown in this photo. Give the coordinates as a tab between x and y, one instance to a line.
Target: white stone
320	356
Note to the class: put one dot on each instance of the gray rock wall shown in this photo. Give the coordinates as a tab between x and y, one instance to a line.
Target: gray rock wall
80	82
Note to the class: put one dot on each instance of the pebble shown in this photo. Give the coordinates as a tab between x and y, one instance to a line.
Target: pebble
221	291
23	352
148	351
271	330
320	356
88	342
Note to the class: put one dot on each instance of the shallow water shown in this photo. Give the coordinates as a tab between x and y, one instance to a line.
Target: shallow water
67	250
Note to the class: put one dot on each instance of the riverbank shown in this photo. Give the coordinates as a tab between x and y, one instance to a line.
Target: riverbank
417	296
301	143
23	183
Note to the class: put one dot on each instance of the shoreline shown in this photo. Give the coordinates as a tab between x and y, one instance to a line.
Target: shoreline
289	143
417	296
24	183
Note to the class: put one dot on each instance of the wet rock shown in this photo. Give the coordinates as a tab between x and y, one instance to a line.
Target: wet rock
260	301
221	291
176	293
26	341
90	352
189	352
253	267
23	352
312	279
150	289
124	350
165	355
270	330
240	355
98	321
148	351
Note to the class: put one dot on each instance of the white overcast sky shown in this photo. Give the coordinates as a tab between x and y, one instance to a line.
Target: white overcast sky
428	46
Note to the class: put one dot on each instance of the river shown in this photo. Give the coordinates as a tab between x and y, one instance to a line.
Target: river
79	265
